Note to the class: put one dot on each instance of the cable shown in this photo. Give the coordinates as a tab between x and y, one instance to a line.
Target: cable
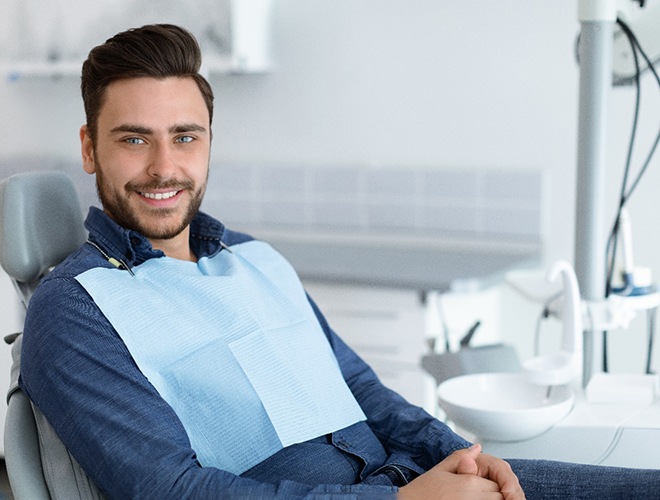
610	251
545	314
612	240
651	66
626	192
650	320
625	196
537	331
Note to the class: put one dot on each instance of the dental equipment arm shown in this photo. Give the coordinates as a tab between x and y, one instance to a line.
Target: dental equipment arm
598	20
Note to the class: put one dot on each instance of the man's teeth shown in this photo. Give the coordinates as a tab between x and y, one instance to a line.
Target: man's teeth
159	196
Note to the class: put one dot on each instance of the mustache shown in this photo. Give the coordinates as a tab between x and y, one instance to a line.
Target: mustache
173	184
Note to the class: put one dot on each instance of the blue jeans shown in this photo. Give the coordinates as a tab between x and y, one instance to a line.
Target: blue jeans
315	462
549	480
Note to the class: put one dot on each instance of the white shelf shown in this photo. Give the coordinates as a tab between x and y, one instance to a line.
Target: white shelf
247	50
37	69
212	65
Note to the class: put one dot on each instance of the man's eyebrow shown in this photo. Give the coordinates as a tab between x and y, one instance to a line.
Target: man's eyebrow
133	129
186	127
174	129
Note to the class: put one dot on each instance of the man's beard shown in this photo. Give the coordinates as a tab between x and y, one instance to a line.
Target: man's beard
118	209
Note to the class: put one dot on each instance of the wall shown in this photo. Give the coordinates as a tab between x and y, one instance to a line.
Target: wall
416	83
381	83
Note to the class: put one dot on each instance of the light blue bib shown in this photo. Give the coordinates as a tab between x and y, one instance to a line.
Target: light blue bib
233	345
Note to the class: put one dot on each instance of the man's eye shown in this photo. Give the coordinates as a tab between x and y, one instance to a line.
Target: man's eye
185	139
134	140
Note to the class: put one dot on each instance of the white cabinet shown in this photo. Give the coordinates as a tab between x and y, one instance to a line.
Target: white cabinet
51	39
386	327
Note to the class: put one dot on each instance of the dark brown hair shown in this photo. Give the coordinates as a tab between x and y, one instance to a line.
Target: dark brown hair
157	51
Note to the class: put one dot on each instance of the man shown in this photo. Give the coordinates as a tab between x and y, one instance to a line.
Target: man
178	359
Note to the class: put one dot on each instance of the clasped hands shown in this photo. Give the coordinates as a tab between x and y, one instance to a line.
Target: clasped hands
466	474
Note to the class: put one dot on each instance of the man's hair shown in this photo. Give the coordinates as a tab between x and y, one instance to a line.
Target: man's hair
156	51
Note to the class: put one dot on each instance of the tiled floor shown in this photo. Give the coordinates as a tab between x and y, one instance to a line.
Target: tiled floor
5	492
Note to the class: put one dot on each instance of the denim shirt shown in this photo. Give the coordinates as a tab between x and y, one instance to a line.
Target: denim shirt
131	443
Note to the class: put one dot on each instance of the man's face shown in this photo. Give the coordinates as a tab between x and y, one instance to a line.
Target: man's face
151	154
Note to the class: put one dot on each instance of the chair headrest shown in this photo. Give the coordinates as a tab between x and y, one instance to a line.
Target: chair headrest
40	223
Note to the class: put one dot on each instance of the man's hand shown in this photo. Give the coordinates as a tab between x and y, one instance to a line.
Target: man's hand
467	474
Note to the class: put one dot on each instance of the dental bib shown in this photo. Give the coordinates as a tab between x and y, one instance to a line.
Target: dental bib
233	345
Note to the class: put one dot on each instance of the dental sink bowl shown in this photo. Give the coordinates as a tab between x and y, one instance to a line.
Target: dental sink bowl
503	406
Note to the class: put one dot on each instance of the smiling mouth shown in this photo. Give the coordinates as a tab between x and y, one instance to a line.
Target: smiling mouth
159	196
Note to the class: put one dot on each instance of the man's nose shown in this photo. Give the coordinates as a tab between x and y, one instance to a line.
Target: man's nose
162	163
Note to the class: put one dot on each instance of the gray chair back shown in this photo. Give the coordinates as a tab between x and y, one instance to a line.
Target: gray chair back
41	223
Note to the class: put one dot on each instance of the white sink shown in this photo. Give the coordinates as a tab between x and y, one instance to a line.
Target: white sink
503	406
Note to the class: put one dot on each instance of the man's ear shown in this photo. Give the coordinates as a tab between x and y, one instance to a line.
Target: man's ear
87	149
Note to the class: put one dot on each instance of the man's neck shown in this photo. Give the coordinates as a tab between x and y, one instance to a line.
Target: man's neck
177	247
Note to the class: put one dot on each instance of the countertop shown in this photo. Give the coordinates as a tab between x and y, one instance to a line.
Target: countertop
421	263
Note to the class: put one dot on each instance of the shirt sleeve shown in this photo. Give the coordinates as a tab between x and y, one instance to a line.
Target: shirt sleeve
400	426
79	373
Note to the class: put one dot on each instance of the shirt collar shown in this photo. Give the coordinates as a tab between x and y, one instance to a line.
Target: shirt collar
134	249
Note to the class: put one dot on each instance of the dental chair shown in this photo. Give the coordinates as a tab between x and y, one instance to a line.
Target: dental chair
40	224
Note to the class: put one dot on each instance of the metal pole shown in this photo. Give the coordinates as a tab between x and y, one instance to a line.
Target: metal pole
597	23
